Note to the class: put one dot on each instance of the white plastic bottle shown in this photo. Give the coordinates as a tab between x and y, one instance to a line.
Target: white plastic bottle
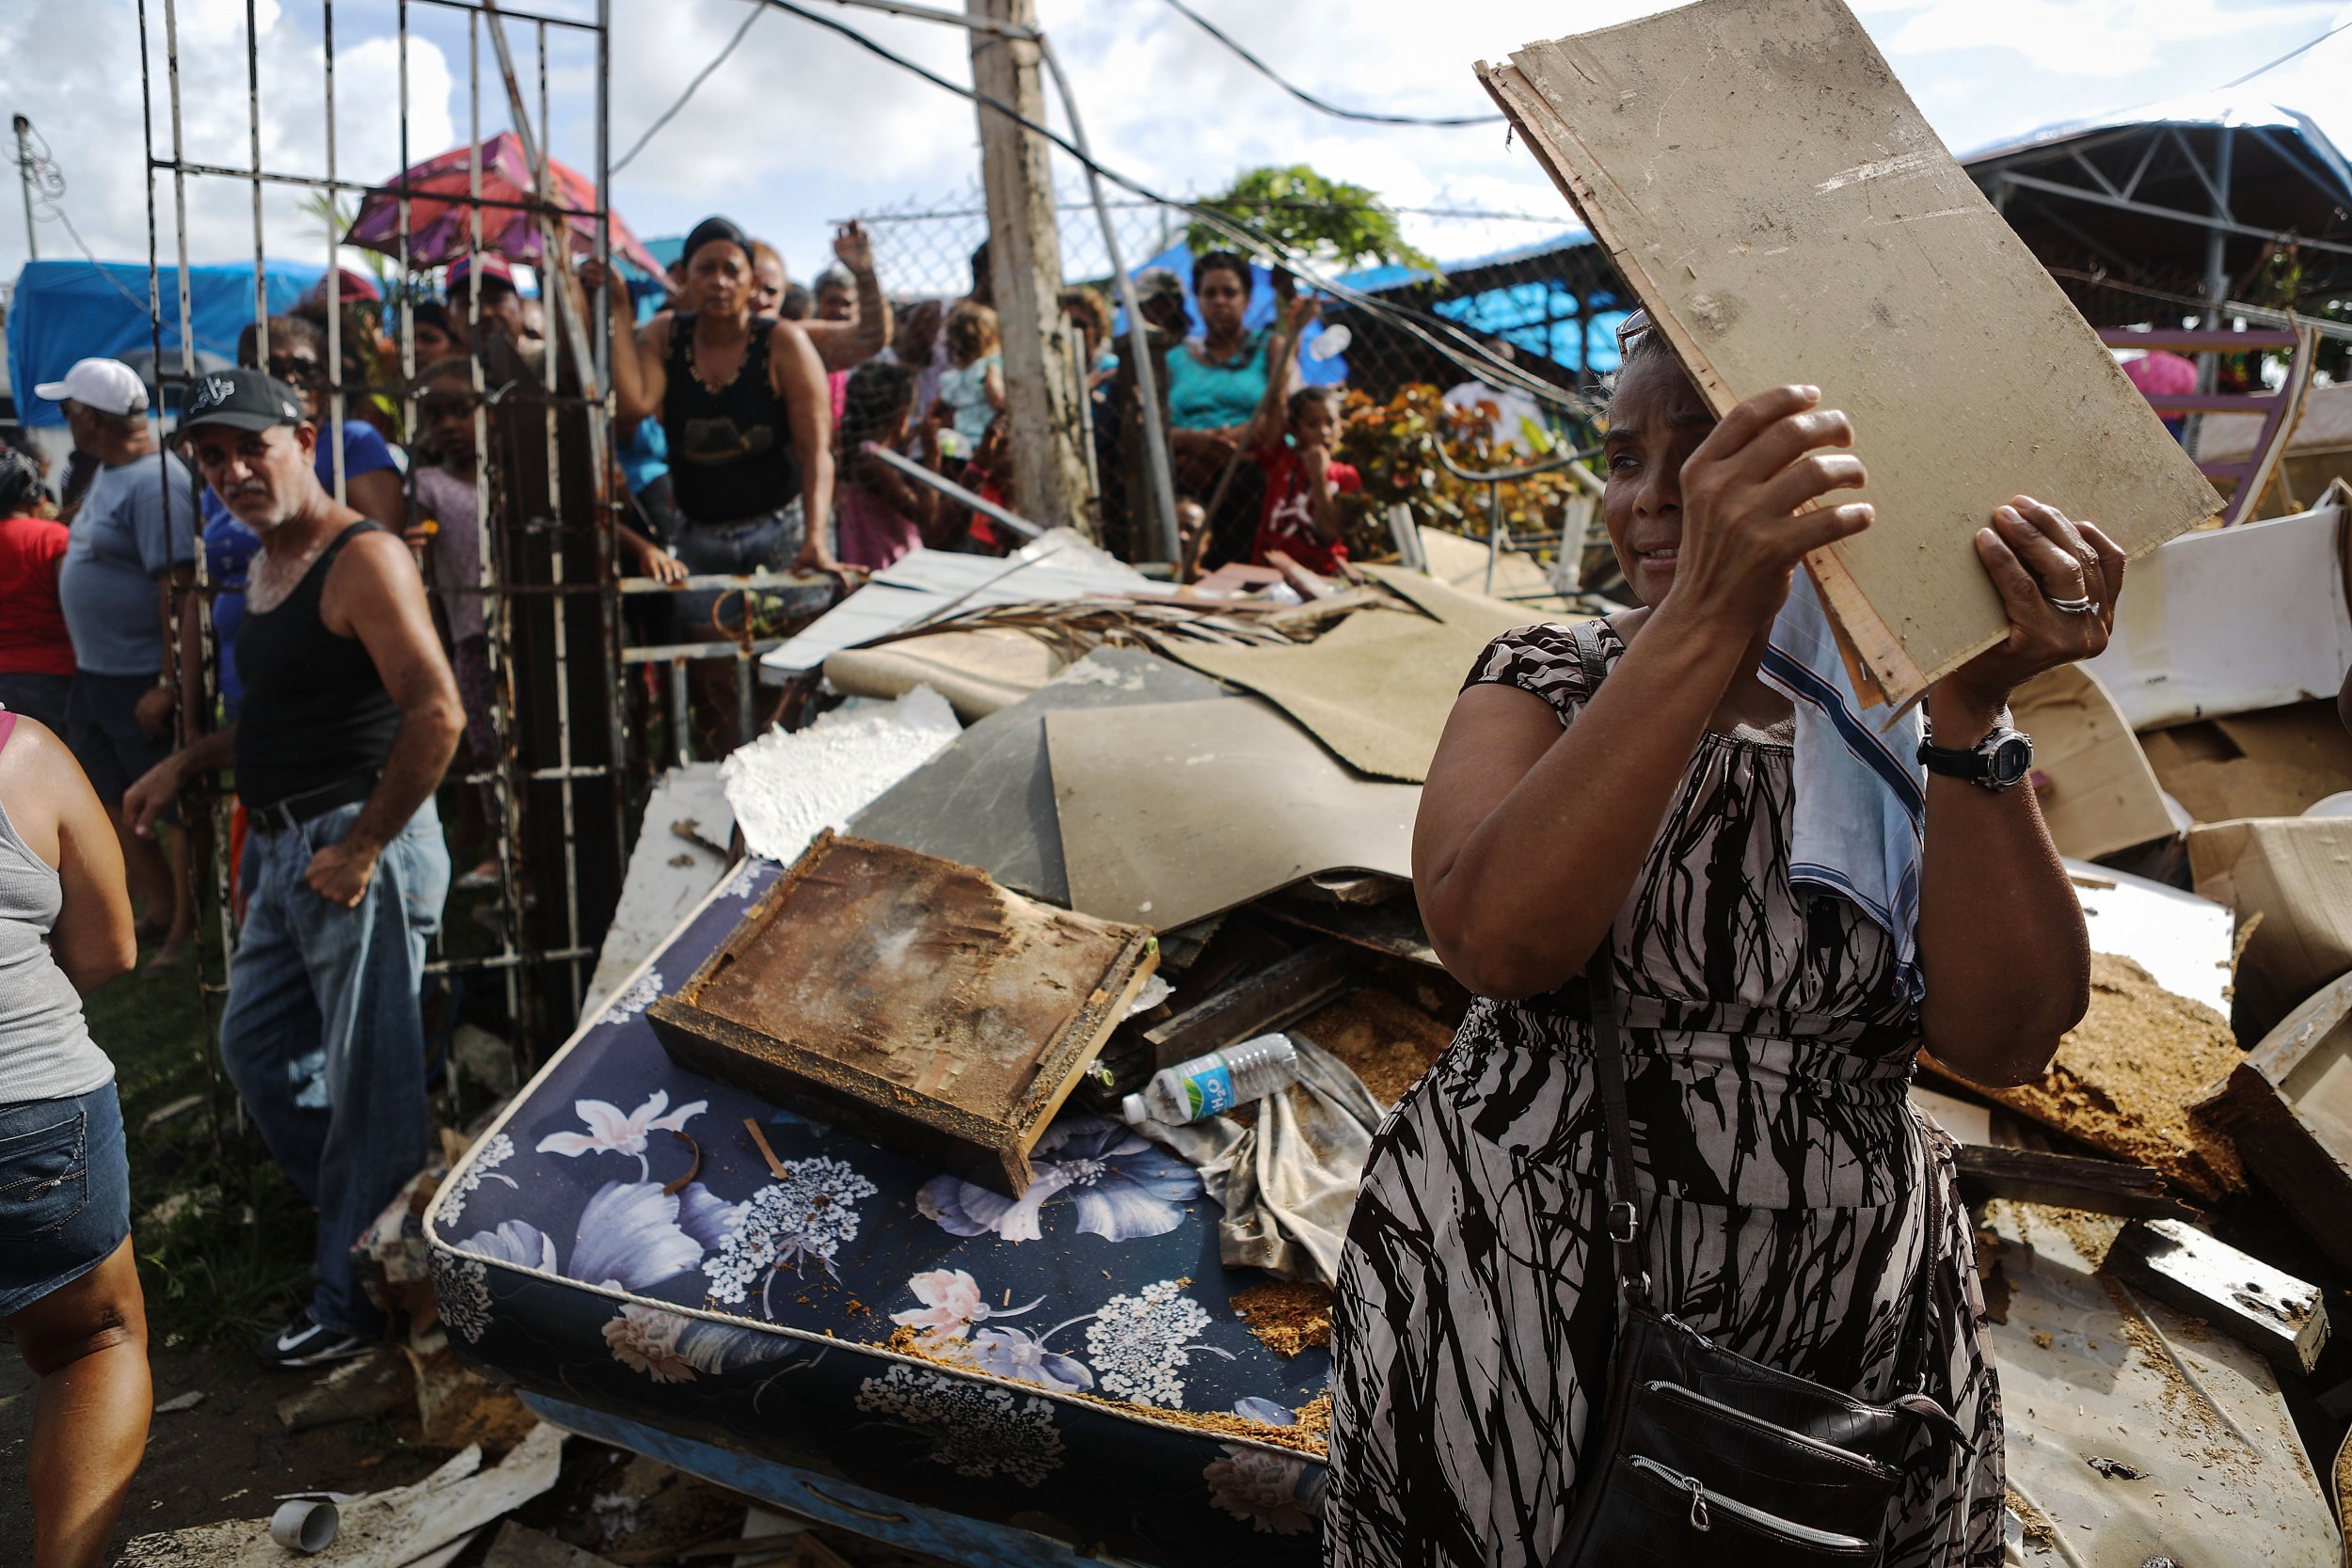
1216	1083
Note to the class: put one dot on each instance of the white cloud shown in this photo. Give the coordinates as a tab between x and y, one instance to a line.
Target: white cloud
800	126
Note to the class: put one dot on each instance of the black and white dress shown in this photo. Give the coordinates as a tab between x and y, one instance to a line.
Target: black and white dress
1771	1046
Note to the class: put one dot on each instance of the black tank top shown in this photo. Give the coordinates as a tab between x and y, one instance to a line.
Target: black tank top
730	450
315	710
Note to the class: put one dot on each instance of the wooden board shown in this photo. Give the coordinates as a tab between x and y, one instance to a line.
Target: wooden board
912	999
1787	214
2289	1106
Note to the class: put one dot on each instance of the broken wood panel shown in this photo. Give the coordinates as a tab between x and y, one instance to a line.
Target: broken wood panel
2068	1181
1284	990
2289	1107
1779	204
912	998
2281	1317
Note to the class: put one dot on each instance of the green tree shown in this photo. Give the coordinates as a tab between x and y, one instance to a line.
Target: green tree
1301	210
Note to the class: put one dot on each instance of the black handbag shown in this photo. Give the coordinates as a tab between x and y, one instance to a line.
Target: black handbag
1704	1455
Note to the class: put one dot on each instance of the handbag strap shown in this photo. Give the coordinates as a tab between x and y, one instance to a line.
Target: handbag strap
1624	1222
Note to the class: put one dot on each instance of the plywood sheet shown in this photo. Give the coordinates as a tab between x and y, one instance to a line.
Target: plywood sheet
988	800
2296	873
1376	687
945	1015
1172	813
1780	205
2097	792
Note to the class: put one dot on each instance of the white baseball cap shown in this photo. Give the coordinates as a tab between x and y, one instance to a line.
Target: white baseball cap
109	386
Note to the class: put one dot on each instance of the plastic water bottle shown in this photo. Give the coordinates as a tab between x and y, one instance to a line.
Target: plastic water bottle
1207	1086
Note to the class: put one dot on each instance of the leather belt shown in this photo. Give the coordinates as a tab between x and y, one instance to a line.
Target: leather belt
294	809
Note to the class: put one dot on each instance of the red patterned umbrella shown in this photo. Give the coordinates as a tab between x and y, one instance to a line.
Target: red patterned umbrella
439	228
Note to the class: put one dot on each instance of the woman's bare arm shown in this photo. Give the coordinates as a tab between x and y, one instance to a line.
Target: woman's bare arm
2002	946
58	814
798	376
1529	838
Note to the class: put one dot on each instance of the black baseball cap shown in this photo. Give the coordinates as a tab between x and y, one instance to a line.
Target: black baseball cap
240	399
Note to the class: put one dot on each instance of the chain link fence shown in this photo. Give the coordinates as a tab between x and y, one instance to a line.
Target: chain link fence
1406	366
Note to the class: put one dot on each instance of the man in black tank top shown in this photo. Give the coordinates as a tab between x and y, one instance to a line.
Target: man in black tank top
350	718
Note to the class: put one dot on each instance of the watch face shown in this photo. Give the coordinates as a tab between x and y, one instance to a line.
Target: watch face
2012	759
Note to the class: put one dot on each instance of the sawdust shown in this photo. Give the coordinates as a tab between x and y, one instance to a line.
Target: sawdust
2142	1337
1387	1040
1287	1316
2124	1079
1311	1434
2039	1533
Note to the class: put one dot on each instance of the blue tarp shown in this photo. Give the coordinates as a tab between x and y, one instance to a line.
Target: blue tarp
78	309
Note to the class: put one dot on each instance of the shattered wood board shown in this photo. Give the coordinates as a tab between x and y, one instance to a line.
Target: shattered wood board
988	800
2233	620
2289	1104
2091	1370
2125	1078
2295	872
2276	763
1376	689
1172	813
2097	793
1787	214
910	998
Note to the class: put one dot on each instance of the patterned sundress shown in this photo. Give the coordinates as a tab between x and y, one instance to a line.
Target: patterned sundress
1770	1045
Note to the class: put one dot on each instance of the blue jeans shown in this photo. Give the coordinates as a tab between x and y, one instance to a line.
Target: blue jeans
323	1037
65	1193
772	540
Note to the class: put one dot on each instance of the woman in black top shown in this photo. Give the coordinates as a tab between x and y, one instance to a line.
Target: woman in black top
744	401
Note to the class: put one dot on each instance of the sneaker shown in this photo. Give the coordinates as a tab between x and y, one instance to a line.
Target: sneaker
307	1342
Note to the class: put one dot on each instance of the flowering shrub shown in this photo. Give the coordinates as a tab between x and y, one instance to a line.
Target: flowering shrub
1394	446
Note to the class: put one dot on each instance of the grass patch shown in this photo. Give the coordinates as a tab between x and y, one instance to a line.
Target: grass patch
223	1239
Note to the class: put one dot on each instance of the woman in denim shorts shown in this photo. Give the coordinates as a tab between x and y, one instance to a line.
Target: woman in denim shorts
69	1287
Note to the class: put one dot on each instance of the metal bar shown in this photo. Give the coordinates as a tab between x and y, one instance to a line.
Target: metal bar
953	18
682	709
253	131
2219	192
2194	337
1139	338
2034	182
520	16
948	487
25	148
725	580
2294	158
2147	156
2092	169
320	182
509	960
334	281
674	653
2210	403
2081	236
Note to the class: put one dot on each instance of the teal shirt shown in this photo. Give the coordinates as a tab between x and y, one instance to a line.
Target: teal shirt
1209	397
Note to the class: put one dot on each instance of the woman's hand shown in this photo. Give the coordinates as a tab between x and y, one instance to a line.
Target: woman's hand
1743	494
2037	556
853	248
659	564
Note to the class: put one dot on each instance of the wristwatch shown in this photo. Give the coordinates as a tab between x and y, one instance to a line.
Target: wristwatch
1998	762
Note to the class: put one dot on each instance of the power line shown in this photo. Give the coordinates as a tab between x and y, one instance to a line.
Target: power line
1466	351
2274	65
1310	99
48	184
692	87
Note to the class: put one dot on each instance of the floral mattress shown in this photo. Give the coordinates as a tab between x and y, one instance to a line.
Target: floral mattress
1070	1363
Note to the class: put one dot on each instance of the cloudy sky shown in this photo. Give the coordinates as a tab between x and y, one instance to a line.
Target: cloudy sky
799	127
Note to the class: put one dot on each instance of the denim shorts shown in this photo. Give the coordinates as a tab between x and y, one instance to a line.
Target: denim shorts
65	1193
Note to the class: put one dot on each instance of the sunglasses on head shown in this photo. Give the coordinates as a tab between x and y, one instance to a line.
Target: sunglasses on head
1630	329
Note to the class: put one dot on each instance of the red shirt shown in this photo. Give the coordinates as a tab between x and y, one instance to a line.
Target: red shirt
33	639
1287	524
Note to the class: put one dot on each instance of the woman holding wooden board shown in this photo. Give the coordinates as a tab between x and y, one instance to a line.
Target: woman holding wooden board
1784	1201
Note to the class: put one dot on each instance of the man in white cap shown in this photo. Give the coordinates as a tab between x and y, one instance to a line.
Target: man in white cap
350	718
134	535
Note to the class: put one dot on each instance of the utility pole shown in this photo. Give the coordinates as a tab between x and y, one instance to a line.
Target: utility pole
1041	380
25	175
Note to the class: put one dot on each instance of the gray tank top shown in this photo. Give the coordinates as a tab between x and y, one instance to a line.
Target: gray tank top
46	1049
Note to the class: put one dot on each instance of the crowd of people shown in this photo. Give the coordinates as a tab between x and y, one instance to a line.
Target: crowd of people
351	662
